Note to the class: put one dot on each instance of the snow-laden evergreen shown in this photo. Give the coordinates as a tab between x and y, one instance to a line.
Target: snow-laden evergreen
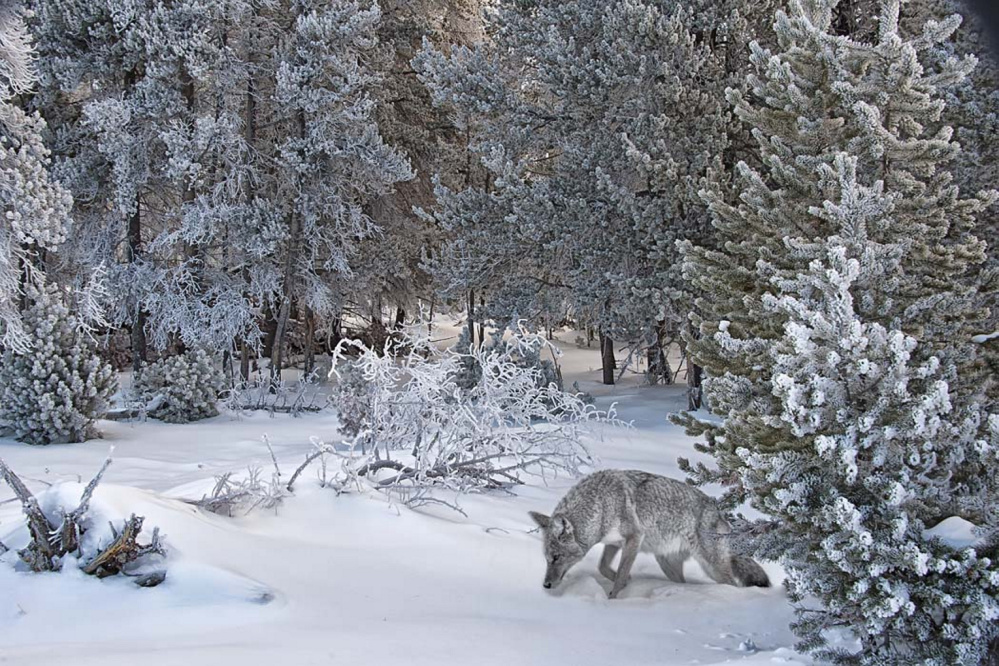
35	208
847	135
595	122
224	155
836	322
55	390
181	388
877	454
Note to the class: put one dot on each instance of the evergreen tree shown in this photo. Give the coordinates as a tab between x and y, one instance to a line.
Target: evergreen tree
882	453
595	122
332	160
35	207
53	392
836	319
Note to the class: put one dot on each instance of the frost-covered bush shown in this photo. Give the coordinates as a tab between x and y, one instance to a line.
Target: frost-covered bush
354	398
527	355
55	391
877	455
415	427
182	388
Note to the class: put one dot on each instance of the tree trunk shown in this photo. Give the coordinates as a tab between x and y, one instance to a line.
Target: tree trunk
310	339
482	324
430	319
659	370
250	136
695	396
244	361
134	251
400	317
607	359
270	330
287	286
471	319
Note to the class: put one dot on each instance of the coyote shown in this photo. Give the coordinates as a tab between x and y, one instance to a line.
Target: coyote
636	511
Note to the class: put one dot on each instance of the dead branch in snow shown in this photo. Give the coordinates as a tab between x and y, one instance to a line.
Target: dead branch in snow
50	543
123	550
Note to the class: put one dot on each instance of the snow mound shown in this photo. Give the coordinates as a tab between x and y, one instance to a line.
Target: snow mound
955	532
195	593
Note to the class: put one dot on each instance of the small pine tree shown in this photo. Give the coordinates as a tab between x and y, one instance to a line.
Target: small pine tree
54	392
182	388
836	324
879	455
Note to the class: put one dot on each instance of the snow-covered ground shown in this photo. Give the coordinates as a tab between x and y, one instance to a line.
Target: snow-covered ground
356	580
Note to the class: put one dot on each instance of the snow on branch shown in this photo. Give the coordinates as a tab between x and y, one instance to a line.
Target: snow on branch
419	424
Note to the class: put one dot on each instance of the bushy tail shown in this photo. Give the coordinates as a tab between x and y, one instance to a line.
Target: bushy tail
748	572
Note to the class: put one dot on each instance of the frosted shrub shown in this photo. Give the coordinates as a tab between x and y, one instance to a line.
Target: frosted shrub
353	396
416	427
880	455
527	355
54	392
182	388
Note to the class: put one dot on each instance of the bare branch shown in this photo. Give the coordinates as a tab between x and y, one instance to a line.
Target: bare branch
39	554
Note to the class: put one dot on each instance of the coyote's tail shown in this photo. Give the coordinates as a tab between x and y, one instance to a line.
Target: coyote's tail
748	573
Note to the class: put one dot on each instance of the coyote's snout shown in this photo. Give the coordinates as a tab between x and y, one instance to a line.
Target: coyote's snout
628	511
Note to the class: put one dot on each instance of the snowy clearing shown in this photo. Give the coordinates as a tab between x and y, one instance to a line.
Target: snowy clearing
354	579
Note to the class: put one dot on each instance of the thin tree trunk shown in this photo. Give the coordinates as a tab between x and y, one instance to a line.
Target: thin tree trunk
134	244
659	369
287	287
400	317
250	136
695	396
310	340
471	319
482	324
244	361
607	359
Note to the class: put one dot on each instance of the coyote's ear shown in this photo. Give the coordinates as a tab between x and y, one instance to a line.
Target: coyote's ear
561	527
541	519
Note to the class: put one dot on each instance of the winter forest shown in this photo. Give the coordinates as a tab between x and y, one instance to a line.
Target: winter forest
324	324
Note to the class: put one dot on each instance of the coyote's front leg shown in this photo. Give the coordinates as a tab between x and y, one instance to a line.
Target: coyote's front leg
610	550
631	545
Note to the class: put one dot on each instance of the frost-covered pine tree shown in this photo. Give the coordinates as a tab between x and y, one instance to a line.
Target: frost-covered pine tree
877	453
331	160
35	207
55	390
836	320
595	122
146	101
181	388
391	273
820	95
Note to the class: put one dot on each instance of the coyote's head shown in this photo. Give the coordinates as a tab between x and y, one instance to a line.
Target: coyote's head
561	548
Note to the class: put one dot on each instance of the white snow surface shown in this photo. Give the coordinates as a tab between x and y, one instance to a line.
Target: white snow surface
354	579
956	532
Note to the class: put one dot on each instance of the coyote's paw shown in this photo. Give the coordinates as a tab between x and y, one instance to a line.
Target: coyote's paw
616	590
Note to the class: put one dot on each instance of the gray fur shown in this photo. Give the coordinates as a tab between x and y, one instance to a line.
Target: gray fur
632	511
